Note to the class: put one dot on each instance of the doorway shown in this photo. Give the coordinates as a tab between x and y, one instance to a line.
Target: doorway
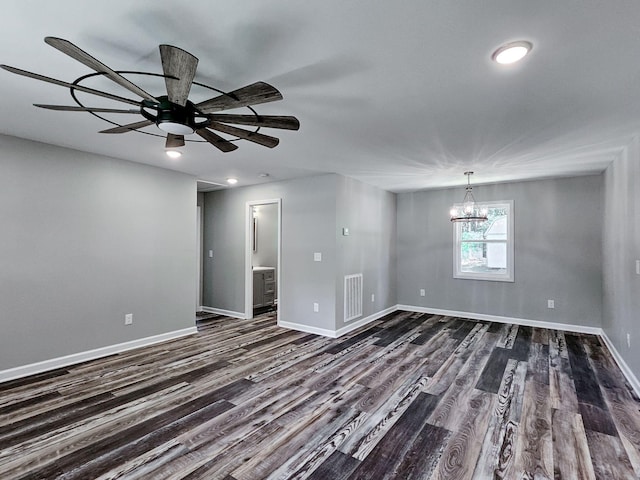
262	256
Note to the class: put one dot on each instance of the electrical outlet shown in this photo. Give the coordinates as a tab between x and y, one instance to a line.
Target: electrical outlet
210	253
373	297
317	256
628	340
551	304
422	292
316	307
128	319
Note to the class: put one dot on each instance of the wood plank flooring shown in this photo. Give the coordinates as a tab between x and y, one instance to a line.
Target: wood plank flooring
410	396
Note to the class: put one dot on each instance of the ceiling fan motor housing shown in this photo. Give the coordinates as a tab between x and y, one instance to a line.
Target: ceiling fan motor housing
171	117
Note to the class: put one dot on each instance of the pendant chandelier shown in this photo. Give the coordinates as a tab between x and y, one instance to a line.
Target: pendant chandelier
468	211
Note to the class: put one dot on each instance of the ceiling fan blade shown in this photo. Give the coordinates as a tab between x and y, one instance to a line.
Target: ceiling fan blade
181	66
128	128
80	55
65	108
174	141
92	91
254	94
254	137
271	121
216	140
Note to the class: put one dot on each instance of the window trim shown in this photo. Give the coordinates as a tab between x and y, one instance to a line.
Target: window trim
457	241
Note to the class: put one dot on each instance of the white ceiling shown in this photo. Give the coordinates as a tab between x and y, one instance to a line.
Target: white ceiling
401	95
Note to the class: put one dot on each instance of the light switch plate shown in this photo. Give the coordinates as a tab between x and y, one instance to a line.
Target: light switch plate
317	257
345	231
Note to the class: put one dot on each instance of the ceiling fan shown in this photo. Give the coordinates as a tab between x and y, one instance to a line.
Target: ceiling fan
174	113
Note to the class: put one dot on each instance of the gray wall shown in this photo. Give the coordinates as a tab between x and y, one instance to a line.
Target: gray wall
308	226
266	254
370	248
85	240
558	251
621	249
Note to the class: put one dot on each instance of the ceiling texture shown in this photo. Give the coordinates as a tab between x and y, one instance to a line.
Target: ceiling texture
400	95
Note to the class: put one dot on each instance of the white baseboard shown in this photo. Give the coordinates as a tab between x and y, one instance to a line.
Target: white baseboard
52	364
220	311
325	332
628	373
363	321
567	327
308	329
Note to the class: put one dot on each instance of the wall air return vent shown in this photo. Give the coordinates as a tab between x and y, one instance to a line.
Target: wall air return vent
352	296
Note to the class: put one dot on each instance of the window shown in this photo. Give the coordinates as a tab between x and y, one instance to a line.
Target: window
484	250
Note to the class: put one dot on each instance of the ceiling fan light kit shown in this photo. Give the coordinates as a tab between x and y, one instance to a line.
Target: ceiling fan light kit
174	114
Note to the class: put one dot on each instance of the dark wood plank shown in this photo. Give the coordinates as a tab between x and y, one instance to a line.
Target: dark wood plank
428	333
491	376
423	454
29	402
584	378
389	451
389	335
305	339
340	346
520	349
32	379
597	419
338	466
495	327
463	330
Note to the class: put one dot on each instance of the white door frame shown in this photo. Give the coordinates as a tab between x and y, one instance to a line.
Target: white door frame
248	250
200	259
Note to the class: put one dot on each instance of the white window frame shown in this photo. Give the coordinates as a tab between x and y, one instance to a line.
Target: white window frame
457	251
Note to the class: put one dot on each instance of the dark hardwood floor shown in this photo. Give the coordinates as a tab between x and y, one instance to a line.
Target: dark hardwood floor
409	396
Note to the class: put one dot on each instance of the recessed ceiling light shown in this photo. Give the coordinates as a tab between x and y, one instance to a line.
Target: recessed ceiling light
173	154
512	52
232	181
263	175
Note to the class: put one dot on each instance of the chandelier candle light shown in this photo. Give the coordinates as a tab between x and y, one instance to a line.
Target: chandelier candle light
469	210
